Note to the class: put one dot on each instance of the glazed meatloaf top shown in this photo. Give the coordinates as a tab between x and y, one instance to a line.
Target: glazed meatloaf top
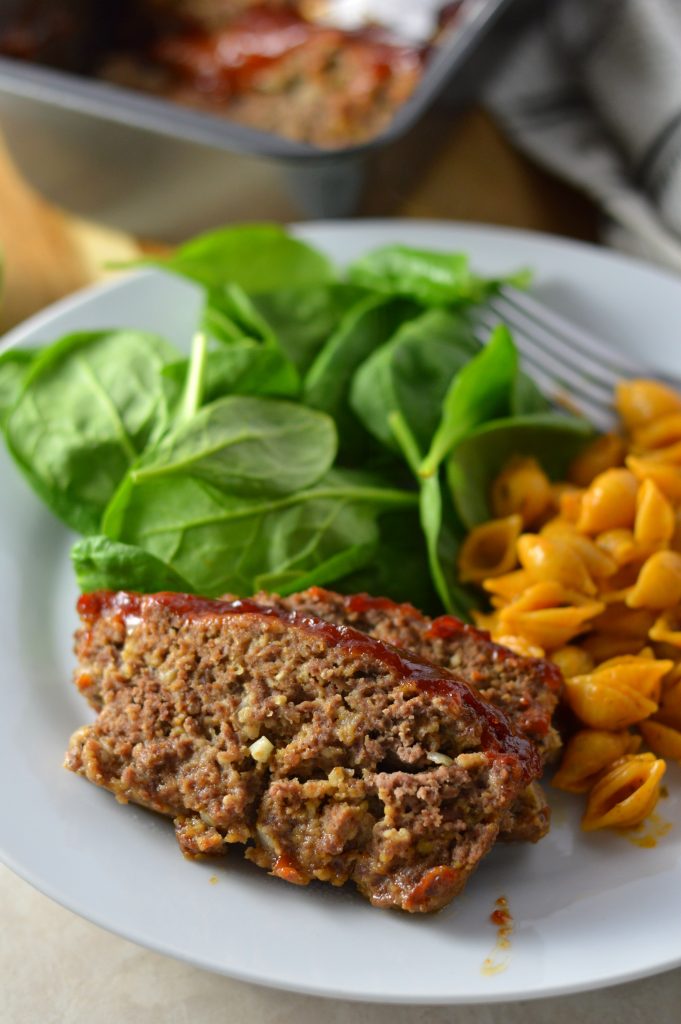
330	754
527	690
273	70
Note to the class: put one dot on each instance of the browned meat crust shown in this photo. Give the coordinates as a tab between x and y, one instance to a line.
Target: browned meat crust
369	764
525	689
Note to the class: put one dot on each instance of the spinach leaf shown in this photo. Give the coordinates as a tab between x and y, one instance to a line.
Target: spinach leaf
411	373
431	278
439	534
90	404
399	565
103	564
223	543
243	368
14	366
229	316
481	391
303	319
327	383
526	398
257	257
245	445
553	440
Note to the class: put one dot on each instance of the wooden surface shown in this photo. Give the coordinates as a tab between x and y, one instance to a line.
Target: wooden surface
455	168
46	254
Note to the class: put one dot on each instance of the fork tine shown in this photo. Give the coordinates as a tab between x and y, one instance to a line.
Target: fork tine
593	348
573	380
596	414
544	338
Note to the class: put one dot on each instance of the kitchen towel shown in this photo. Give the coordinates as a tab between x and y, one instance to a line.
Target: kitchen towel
591	89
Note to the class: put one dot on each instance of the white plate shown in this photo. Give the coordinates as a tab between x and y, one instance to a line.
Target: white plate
588	910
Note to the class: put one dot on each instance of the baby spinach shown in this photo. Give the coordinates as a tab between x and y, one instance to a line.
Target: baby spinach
552	439
327	384
246	446
303	319
229	315
104	564
90	404
224	543
440	538
398	566
431	278
526	398
14	366
410	374
243	368
480	391
256	257
239	468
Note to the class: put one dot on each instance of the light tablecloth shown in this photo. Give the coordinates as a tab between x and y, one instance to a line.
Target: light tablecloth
59	969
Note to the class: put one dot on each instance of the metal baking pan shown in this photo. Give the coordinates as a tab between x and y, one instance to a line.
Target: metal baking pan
159	170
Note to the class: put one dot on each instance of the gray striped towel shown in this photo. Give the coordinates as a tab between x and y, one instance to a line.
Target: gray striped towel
592	90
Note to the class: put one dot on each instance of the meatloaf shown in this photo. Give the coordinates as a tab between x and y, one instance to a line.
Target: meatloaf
525	689
271	69
330	754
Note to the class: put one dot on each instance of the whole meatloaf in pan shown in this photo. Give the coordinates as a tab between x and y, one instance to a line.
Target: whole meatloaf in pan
330	754
527	690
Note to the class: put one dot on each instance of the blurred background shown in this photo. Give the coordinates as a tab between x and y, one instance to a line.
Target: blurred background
129	125
140	122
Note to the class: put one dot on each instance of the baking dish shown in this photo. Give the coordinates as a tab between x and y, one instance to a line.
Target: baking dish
160	170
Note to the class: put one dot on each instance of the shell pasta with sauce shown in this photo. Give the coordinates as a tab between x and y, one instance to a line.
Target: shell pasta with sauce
587	572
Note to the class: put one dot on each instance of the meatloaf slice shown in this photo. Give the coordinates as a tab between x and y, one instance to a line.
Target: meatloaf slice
525	689
332	755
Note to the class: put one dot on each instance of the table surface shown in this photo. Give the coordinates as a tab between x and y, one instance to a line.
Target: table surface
55	966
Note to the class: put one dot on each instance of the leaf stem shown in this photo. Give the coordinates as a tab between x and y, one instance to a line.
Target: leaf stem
193	392
406	441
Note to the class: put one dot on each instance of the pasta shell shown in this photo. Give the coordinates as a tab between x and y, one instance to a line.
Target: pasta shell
640	401
587	754
626	794
490	549
609	502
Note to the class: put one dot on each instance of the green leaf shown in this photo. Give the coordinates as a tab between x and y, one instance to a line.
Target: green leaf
229	315
327	385
14	366
481	391
399	565
104	564
526	398
222	543
89	406
411	373
245	445
303	319
257	257
553	440
431	278
439	534
244	368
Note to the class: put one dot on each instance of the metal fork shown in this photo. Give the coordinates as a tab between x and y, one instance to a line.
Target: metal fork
571	366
